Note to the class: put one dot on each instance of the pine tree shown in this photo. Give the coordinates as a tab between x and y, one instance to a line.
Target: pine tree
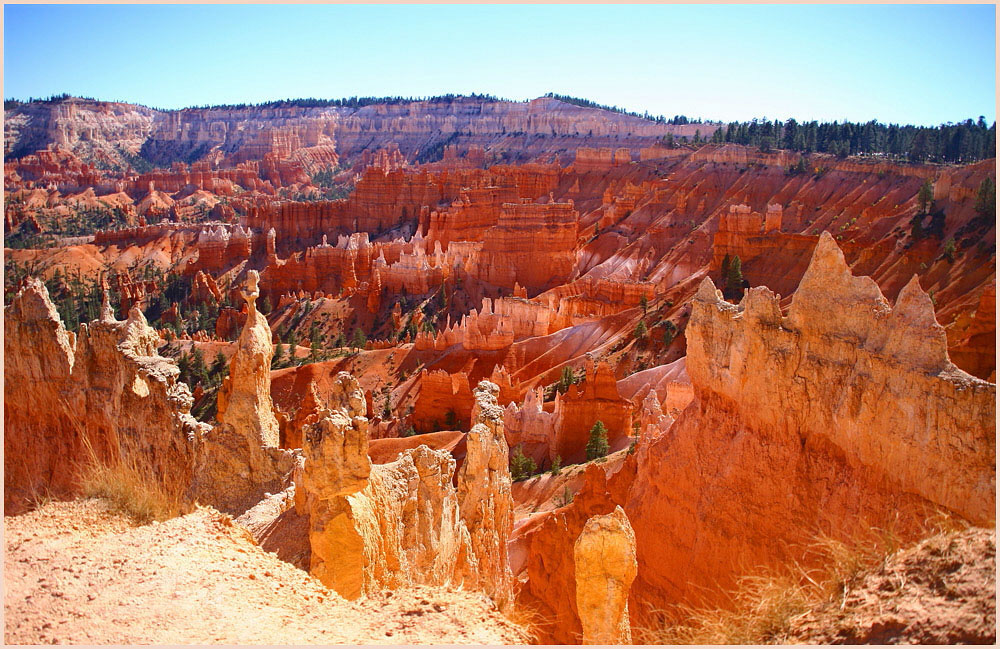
949	250
566	379
597	445
669	332
986	199
644	303
358	341
725	268
218	367
641	330
279	357
925	197
734	279
521	466
199	370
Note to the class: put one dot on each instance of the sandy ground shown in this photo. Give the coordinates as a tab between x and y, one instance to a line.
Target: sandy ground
74	572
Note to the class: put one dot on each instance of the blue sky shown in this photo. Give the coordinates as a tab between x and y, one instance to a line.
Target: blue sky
921	64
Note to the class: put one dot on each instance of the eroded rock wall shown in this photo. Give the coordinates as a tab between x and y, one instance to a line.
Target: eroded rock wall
102	394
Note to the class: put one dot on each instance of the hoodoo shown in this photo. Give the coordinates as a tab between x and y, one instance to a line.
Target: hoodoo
245	395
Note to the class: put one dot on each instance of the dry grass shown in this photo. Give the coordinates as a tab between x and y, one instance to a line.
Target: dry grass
131	489
38	496
528	620
765	604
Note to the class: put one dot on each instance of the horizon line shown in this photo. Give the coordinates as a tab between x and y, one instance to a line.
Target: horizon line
474	96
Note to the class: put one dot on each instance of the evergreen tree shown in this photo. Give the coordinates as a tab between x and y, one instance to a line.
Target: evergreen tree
277	362
949	250
199	370
734	279
566	379
925	197
597	445
641	330
726	261
184	365
521	466
669	332
644	303
358	341
986	199
218	367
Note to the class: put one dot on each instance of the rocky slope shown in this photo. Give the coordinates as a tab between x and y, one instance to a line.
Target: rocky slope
941	591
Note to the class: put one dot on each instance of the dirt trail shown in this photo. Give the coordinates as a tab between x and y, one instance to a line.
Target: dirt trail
74	572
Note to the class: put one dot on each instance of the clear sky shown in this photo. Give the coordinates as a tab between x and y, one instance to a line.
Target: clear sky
920	64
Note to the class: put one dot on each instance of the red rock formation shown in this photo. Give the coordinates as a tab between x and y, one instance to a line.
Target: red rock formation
588	159
229	323
220	248
531	244
468	217
972	337
326	268
444	401
531	427
106	396
729	478
545	544
205	289
783	465
596	399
